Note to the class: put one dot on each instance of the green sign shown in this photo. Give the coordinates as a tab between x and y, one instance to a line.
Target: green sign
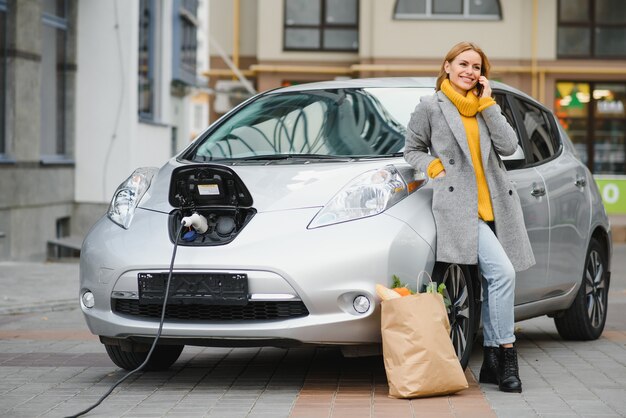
613	191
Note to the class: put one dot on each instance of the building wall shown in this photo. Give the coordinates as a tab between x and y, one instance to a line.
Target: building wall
111	126
270	40
522	47
34	194
113	142
42	196
221	24
106	96
383	40
382	37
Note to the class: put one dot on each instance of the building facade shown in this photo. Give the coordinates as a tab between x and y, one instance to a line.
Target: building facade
89	91
37	137
569	54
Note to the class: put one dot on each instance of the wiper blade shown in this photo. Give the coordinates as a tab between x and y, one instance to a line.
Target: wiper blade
366	157
271	157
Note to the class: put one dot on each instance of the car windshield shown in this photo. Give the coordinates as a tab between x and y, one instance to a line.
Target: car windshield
324	124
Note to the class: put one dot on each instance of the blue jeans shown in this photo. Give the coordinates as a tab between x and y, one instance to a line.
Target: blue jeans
498	289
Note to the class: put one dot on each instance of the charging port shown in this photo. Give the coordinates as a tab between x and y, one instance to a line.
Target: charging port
217	194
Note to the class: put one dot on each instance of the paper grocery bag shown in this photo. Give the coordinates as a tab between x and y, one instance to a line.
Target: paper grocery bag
418	353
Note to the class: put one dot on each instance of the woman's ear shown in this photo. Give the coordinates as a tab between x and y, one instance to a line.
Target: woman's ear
446	67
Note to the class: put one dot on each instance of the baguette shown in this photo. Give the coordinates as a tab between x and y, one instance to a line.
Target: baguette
385	293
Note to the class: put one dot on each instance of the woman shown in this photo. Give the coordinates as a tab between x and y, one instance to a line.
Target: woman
476	208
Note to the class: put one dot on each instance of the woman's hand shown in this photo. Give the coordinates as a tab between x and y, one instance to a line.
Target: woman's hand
440	175
485	87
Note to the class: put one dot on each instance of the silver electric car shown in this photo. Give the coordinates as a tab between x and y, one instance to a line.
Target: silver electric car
285	213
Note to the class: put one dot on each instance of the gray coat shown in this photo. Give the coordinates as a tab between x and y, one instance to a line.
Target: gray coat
436	125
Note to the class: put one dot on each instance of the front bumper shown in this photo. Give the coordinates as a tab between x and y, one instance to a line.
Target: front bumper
324	268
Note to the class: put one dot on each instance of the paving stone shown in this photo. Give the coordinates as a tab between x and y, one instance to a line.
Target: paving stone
55	378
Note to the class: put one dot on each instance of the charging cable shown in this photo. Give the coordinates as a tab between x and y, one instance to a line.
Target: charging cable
154	343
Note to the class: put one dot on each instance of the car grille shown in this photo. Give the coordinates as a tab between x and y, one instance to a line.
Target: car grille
249	312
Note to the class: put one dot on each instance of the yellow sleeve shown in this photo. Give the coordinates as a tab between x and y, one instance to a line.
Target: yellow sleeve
434	168
484	103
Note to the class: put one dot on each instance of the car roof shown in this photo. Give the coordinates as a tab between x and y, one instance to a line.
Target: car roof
382	82
424	82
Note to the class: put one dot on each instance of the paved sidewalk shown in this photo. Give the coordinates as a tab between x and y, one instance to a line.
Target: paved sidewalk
50	365
38	287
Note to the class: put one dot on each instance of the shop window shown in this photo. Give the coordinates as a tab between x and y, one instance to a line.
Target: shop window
448	9
321	25
609	128
591	28
572	108
593	116
53	88
3	68
146	60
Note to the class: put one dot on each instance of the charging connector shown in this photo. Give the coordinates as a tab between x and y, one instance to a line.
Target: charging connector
197	222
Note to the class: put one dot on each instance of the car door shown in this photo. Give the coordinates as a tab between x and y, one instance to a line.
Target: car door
530	285
568	196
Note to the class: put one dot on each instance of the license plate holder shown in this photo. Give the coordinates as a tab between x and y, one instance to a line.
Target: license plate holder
194	288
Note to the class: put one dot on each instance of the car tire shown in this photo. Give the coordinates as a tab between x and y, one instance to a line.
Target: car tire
462	311
585	319
162	357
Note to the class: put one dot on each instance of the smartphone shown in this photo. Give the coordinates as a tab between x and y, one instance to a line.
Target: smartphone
479	89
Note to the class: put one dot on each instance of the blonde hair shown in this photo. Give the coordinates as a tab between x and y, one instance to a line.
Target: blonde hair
454	52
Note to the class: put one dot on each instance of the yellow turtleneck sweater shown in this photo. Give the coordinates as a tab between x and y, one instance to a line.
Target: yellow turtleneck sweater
468	106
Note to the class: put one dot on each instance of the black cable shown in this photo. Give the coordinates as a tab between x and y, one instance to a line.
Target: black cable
154	343
119	106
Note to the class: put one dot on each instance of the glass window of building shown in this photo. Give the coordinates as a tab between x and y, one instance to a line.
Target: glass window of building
609	128
145	65
591	28
3	68
592	114
572	108
448	9
321	25
185	42
53	79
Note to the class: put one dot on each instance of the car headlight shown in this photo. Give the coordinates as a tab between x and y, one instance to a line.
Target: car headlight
369	194
128	194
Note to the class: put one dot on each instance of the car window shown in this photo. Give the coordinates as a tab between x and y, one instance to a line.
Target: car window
507	111
542	140
348	122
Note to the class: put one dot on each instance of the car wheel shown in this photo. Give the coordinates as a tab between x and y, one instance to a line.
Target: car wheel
462	309
162	357
585	319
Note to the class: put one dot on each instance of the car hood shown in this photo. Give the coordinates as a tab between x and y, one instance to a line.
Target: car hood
277	185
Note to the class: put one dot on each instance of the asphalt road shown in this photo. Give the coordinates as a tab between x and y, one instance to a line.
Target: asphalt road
50	365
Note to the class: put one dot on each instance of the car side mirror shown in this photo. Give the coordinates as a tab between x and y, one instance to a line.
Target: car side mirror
515	160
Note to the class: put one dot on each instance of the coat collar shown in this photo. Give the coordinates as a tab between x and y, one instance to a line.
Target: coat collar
453	118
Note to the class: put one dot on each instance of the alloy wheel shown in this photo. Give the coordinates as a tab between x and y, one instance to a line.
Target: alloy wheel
459	307
595	289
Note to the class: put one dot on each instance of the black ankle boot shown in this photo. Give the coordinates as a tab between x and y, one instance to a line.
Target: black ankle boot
489	369
508	375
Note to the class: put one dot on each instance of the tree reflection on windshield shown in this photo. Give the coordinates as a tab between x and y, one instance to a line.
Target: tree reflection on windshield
338	122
